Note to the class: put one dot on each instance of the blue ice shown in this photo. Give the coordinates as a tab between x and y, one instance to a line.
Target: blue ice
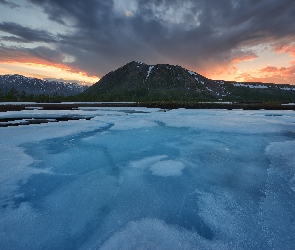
146	179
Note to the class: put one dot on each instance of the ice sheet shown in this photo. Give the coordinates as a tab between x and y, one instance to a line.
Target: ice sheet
138	178
147	161
156	234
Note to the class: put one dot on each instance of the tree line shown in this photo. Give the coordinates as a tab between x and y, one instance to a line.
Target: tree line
15	96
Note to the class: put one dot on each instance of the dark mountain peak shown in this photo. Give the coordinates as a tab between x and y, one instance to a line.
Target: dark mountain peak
140	80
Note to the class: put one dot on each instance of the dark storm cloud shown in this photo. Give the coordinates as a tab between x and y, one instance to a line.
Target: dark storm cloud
25	34
193	33
14	39
91	14
225	26
9	4
39	54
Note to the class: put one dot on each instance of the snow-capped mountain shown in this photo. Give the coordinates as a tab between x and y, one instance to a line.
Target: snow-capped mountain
37	86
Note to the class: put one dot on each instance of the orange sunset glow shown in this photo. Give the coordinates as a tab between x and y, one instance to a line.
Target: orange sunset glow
44	71
234	40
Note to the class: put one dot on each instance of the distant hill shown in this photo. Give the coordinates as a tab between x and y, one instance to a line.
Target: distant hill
138	81
35	86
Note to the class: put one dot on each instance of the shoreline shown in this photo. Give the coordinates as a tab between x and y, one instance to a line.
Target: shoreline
4	107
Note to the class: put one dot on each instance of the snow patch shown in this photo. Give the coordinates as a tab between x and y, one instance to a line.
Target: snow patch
287	88
250	86
167	168
192	73
149	71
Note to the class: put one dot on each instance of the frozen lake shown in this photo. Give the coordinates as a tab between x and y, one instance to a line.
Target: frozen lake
138	178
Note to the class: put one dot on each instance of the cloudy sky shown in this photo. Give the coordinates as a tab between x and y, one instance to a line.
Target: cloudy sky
242	40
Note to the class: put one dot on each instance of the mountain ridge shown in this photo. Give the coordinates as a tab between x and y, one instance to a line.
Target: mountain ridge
137	81
35	86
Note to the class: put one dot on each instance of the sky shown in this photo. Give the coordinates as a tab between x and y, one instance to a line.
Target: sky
82	40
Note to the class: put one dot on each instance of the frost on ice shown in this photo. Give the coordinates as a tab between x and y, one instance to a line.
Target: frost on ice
167	168
143	179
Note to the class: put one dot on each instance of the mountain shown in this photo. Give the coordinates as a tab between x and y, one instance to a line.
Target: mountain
36	86
138	81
